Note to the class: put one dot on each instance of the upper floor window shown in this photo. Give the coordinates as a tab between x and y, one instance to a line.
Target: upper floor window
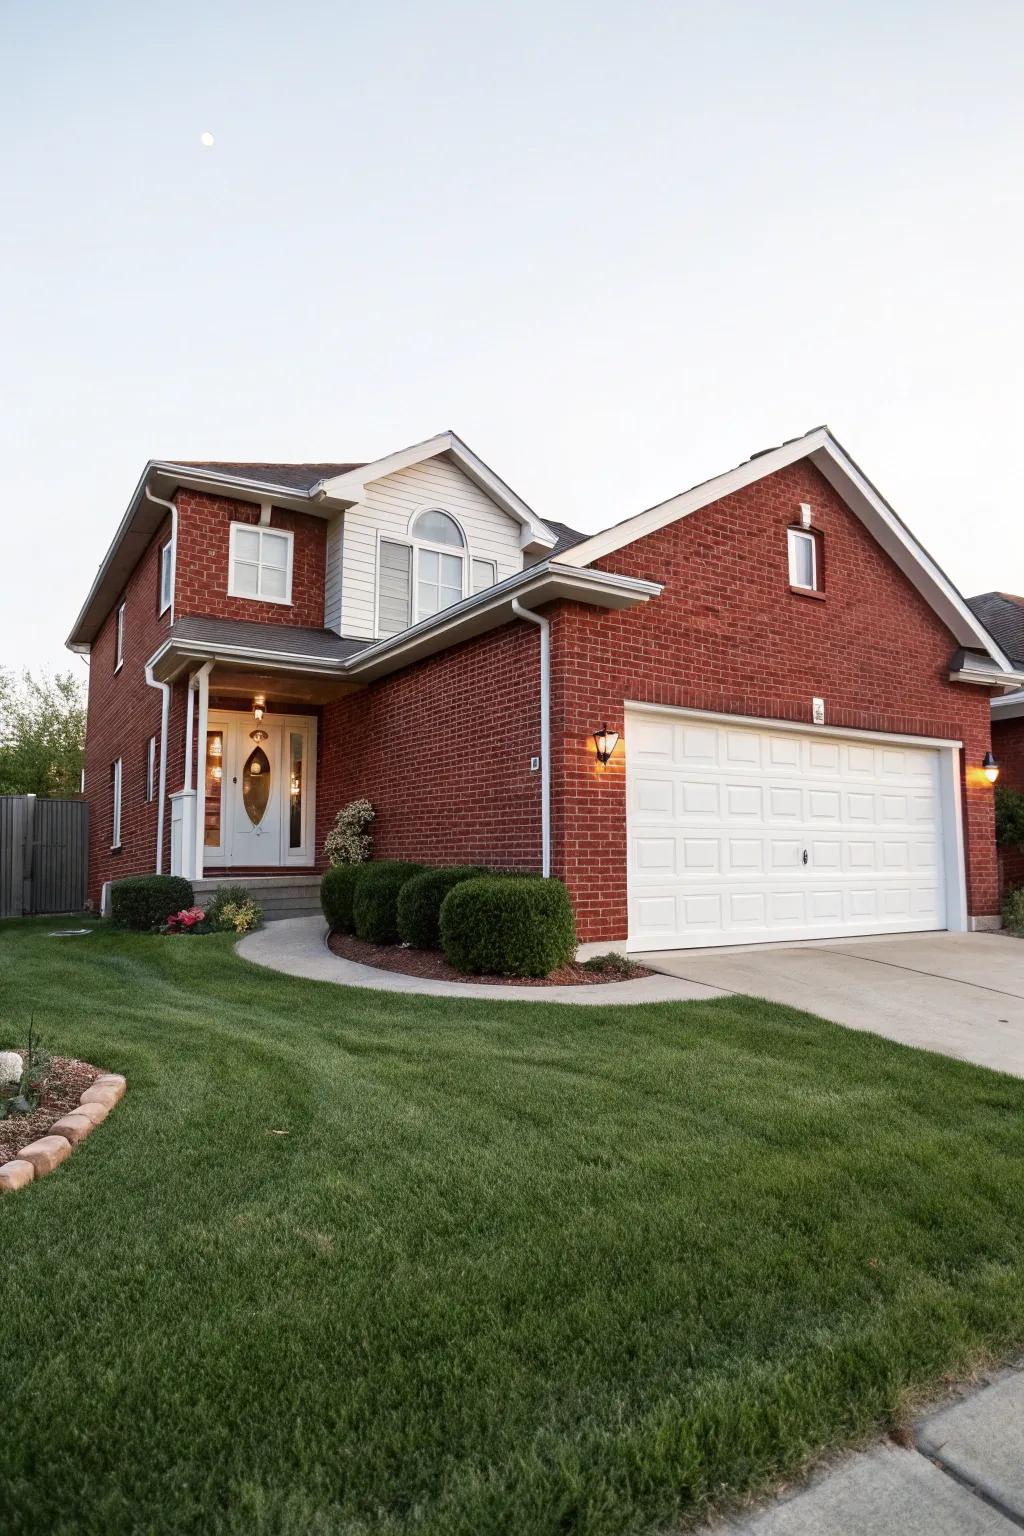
260	563
166	576
115	808
485	574
119	638
803	559
422	576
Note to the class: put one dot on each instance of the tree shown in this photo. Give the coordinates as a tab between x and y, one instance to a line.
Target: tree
42	734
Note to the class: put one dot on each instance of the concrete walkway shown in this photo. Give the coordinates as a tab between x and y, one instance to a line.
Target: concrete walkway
964	1477
958	993
298	946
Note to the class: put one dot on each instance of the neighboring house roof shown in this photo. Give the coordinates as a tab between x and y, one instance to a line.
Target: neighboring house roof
567	537
1003	616
828	455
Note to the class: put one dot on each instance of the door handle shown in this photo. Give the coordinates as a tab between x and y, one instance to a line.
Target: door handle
805	856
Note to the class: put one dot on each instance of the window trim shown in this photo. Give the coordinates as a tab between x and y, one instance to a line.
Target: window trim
409	540
793	535
257	596
151	770
116	790
119	635
482	560
166	552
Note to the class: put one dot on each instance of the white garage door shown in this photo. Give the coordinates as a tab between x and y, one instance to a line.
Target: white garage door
743	834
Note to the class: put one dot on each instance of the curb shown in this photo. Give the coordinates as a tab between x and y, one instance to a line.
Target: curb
45	1154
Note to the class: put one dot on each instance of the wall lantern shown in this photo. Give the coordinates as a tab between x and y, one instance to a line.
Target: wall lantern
258	707
605	741
990	768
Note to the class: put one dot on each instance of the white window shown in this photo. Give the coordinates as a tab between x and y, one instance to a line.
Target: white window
261	563
803	560
424	575
115	780
151	768
166	576
485	574
119	639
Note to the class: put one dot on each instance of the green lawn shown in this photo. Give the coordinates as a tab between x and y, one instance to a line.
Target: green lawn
518	1268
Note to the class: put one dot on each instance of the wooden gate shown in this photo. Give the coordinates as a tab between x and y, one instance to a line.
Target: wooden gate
44	848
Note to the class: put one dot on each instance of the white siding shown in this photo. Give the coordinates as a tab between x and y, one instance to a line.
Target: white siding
388	509
332	576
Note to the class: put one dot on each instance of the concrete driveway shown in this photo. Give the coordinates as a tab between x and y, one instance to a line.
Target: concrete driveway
958	993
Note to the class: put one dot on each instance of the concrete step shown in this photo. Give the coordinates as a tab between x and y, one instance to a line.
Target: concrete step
280	896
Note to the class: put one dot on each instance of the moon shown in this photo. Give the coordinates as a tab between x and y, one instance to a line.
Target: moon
206	140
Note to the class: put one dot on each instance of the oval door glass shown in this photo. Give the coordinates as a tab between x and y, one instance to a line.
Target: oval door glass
256	785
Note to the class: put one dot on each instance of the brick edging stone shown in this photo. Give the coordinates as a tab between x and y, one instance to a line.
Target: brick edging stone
45	1154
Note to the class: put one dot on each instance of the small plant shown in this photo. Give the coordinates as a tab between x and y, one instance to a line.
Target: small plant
145	902
1013	910
618	965
348	841
240	916
230	906
34	1068
188	920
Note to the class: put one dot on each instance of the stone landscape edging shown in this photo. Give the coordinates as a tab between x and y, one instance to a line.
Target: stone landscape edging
46	1153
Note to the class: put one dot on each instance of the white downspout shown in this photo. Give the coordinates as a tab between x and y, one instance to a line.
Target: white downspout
545	729
158	501
165	711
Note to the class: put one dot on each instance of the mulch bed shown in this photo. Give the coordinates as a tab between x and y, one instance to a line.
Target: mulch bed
68	1080
432	964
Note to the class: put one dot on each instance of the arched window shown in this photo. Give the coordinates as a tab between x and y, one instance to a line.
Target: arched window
422	576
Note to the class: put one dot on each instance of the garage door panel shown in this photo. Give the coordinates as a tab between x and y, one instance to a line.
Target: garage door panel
721	822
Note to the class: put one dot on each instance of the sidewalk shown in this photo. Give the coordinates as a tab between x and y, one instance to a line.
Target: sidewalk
964	1477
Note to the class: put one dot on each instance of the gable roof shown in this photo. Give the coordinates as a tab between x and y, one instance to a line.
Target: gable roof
827	454
1003	616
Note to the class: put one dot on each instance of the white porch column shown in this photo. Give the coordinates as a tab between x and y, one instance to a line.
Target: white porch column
203	682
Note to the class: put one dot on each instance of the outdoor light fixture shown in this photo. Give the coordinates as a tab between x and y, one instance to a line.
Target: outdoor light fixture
258	707
605	741
258	735
990	768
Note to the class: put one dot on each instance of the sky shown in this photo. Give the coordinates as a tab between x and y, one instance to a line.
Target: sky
616	248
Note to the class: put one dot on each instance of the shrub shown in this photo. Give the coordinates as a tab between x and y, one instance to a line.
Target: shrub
145	902
419	903
348	841
24	1079
1013	910
503	926
1009	817
336	891
240	916
227	896
375	902
188	920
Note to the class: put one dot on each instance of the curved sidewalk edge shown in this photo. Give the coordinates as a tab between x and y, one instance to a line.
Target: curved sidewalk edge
298	947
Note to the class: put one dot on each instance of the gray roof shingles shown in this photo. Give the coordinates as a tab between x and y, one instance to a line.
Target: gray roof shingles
290	639
1003	616
296	477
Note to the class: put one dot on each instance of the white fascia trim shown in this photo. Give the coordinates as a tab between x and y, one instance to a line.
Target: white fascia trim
185	474
860	496
986	677
351	487
715	717
258	655
1010	707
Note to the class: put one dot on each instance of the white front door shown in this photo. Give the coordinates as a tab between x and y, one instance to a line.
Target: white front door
260	790
741	833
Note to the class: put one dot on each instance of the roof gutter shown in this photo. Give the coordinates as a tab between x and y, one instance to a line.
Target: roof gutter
165	711
171	507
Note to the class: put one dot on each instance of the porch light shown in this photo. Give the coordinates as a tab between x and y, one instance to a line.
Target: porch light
258	736
990	768
259	707
605	741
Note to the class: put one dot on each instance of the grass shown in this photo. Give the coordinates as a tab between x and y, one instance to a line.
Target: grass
514	1268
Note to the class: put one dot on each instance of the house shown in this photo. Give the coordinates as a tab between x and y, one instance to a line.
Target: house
758	711
1003	616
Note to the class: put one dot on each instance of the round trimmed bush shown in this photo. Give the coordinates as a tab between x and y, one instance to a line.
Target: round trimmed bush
337	889
145	902
375	902
504	925
419	903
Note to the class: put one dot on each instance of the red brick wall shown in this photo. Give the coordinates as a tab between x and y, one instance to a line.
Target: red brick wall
204	527
443	751
727	634
1008	748
124	712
